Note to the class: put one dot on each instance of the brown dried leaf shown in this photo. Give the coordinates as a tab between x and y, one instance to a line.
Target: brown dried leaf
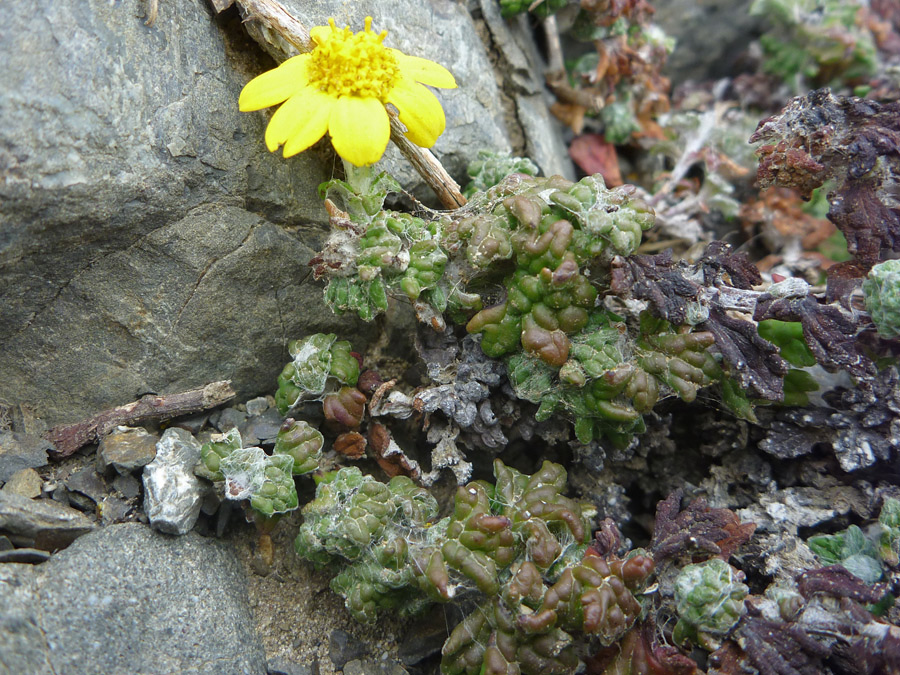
868	223
753	361
641	651
837	582
351	444
698	528
828	331
671	289
778	216
594	155
392	460
777	647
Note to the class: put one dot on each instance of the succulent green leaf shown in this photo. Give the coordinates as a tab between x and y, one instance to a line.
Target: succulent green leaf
266	480
709	598
882	291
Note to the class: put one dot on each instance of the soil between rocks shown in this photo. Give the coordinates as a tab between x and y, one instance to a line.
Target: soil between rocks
295	609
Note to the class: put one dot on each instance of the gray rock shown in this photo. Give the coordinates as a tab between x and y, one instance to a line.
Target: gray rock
370	667
214	295
135	126
281	666
343	647
257	406
212	499
31	556
113	510
128	600
172	494
230	418
130	260
427	635
710	36
522	68
89	483
21	418
25	482
126	449
21	451
128	486
22	642
262	428
41	523
61	494
193	423
79	501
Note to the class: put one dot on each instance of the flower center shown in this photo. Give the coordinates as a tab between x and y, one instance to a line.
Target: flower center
353	64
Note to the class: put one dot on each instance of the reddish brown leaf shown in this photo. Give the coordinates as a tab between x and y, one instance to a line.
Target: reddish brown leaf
594	155
351	444
392	460
697	528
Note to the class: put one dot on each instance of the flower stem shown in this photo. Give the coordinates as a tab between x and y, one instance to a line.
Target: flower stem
359	177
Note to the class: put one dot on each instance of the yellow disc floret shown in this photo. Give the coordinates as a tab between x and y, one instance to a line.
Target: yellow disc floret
353	64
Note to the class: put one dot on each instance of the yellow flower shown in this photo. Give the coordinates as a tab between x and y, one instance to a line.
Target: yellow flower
341	87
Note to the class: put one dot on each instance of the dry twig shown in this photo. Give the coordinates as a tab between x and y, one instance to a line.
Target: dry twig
70	437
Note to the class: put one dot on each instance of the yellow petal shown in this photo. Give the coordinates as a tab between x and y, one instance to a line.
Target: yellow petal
359	129
424	71
275	86
312	126
420	112
300	122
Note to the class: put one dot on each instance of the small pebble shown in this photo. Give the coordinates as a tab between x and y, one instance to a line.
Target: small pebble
192	424
89	483
126	449
24	555
25	482
128	486
230	419
113	510
21	451
257	406
343	648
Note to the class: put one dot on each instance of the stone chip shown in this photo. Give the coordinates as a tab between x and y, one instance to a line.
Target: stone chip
41	523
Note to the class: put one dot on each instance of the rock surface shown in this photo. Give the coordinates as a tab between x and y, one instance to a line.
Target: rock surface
40	523
25	482
520	68
20	451
344	647
127	599
710	36
126	449
148	241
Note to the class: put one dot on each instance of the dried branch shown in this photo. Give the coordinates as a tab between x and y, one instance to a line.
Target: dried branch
70	437
152	12
274	17
280	33
428	167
